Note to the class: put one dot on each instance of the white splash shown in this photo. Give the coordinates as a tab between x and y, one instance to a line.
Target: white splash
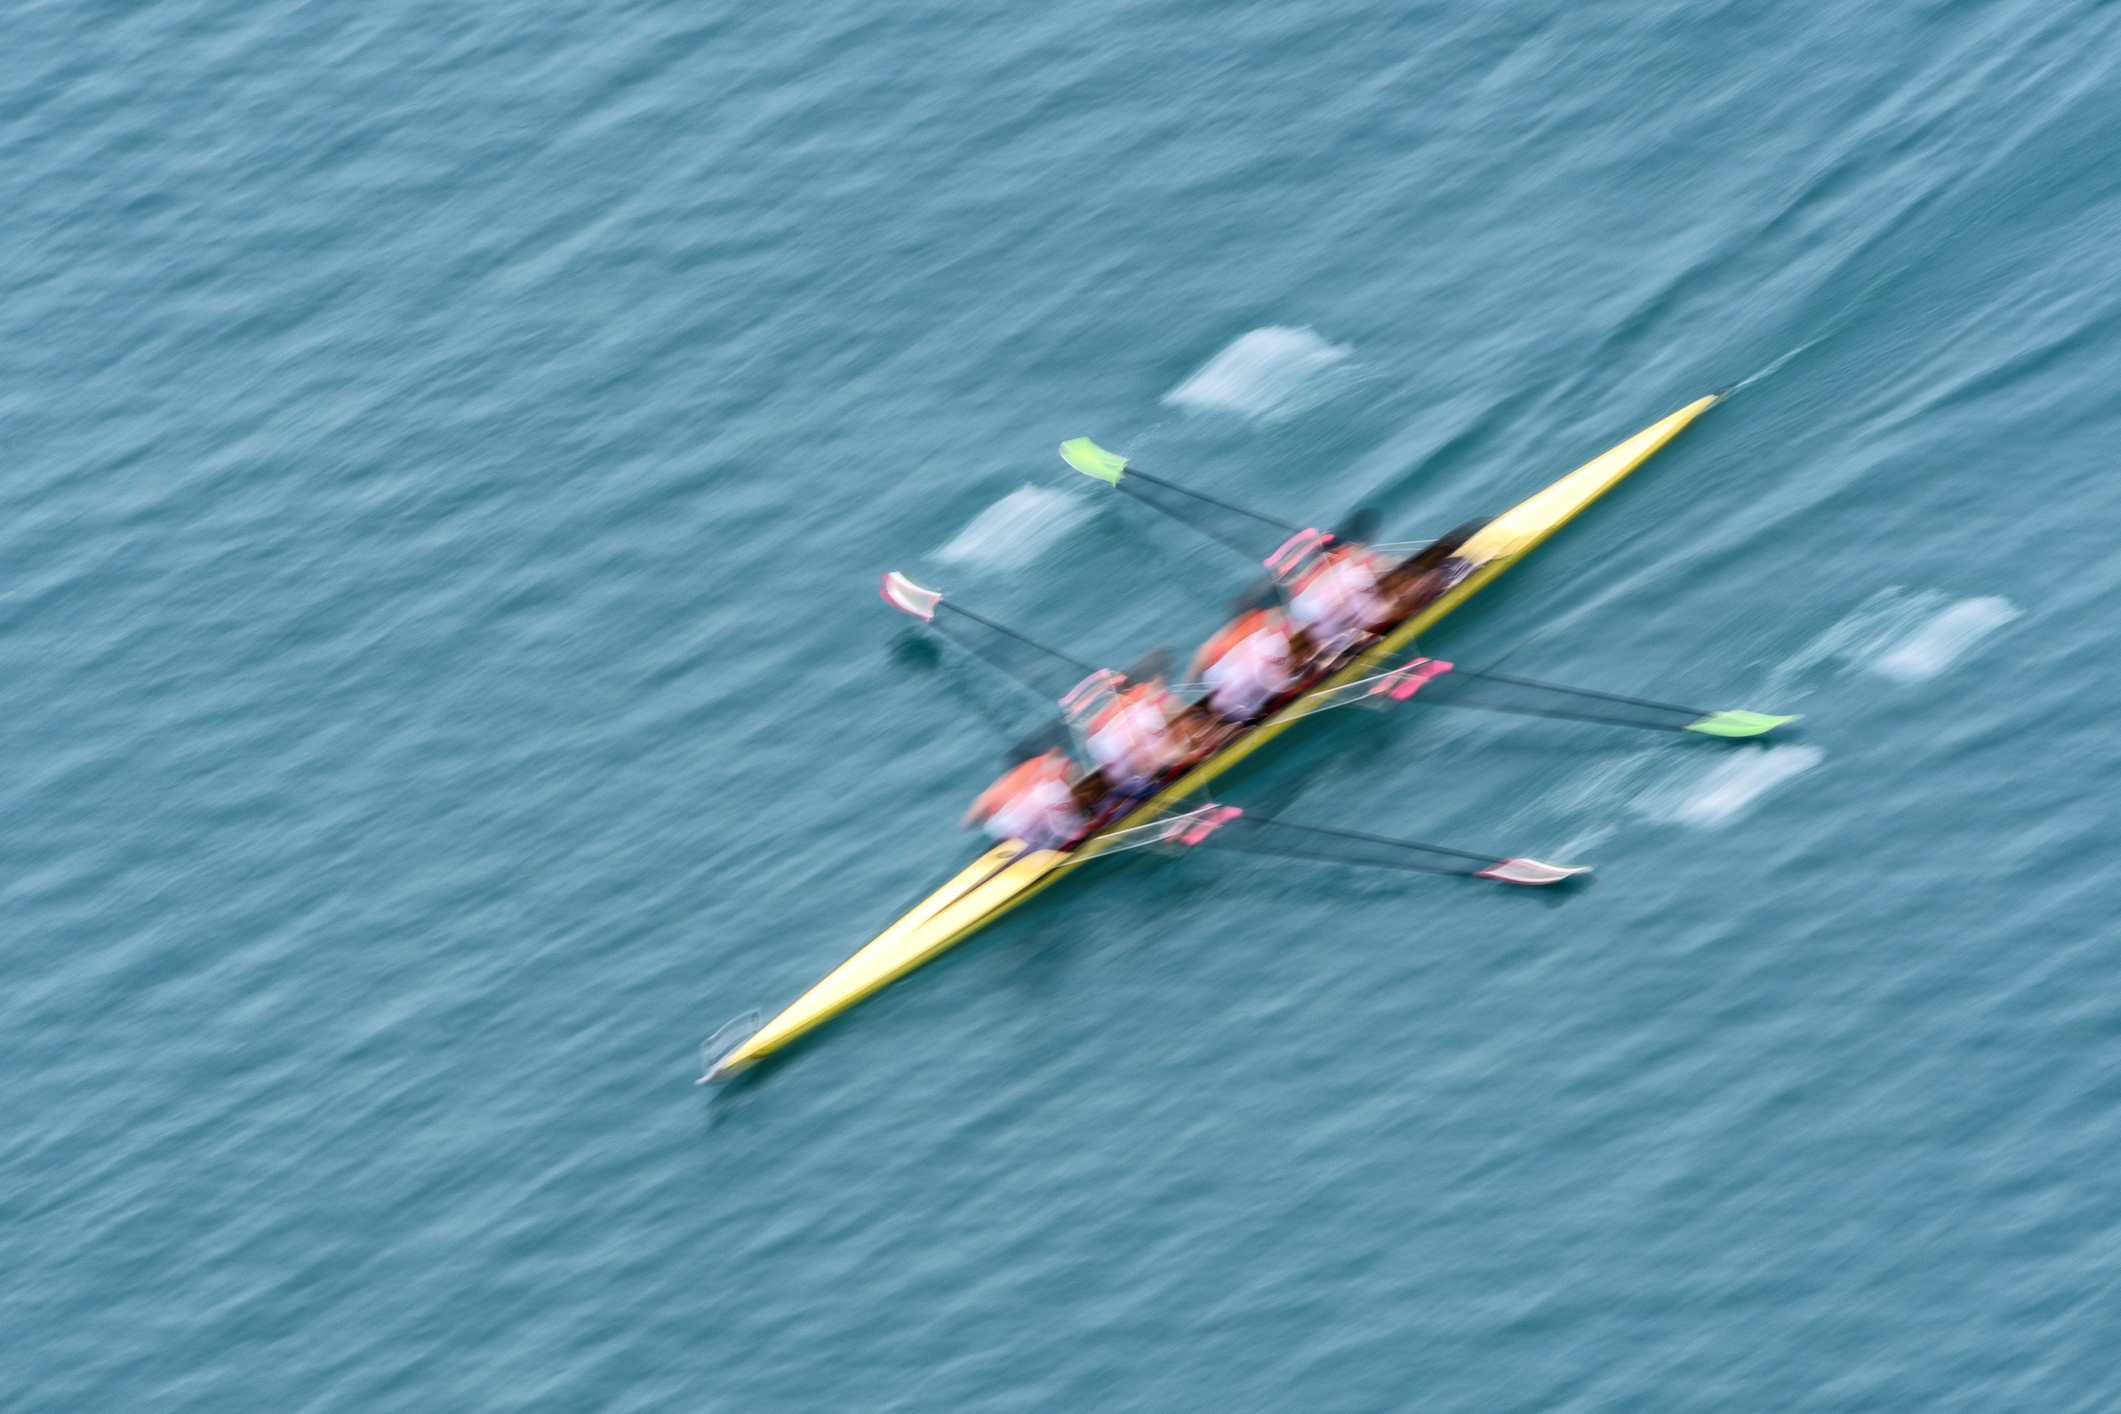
1900	635
1941	642
1772	368
1579	845
1015	529
1728	788
1266	375
1602	782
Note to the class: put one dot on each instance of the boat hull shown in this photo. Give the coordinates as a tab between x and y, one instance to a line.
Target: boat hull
1007	875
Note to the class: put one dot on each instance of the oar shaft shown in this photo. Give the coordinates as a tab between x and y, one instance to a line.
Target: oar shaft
1227	827
1357	835
1047	671
1250	834
1475	673
1137	474
1440	684
1246	531
1053	653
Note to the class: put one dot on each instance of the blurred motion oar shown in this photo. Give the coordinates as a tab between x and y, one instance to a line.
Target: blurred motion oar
1047	671
1442	684
1227	827
1276	544
1438	683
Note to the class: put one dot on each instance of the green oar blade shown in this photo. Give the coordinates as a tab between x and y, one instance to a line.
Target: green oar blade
1092	460
1736	724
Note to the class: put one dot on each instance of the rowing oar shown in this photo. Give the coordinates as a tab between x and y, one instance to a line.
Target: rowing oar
1249	533
1047	671
1282	548
1441	684
1070	681
1227	827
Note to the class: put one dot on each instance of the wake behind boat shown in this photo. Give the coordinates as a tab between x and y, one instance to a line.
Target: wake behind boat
1340	615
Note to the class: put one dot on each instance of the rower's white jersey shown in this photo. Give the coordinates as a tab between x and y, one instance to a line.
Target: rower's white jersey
1134	745
1341	599
1042	815
1254	670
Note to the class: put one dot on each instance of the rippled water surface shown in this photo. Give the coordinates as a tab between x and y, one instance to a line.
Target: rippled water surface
449	455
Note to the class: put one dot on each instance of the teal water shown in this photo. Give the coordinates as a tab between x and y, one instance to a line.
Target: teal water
450	452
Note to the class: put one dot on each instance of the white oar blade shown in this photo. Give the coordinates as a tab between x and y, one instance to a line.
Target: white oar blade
907	597
1531	871
1225	827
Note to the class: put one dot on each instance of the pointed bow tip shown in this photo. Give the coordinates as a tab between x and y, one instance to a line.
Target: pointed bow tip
726	1069
724	1058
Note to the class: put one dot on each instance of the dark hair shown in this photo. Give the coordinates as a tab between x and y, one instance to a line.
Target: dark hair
1437	551
1156	663
1260	594
1053	736
1360	528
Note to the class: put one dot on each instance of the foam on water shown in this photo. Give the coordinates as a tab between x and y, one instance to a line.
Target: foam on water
1904	635
1601	782
1728	788
1266	375
1944	639
1016	529
1678	789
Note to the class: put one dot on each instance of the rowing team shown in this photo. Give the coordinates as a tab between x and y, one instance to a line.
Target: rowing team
1138	731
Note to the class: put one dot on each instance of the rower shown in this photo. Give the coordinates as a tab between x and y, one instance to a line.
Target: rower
1035	802
1337	599
1253	660
1419	580
1131	738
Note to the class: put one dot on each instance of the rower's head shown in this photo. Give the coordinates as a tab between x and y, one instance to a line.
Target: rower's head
1153	666
1360	528
1258	595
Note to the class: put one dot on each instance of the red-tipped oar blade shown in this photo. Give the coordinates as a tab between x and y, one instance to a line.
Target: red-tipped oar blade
907	597
1405	682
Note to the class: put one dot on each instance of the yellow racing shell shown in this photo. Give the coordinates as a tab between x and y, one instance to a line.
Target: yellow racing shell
1008	874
